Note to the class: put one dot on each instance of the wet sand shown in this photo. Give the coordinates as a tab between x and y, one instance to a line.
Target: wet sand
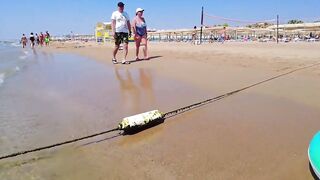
262	133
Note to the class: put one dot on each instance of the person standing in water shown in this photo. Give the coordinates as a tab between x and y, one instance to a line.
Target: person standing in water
24	40
37	39
32	39
47	38
140	33
47	34
121	29
41	37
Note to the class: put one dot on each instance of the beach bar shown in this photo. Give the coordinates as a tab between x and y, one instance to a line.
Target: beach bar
239	33
102	31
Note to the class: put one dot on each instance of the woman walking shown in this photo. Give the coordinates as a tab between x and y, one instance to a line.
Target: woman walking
41	38
47	38
24	40
140	33
32	39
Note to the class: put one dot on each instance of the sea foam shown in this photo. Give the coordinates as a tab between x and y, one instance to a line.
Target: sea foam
2	76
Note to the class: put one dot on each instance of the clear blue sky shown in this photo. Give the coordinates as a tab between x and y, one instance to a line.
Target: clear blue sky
62	16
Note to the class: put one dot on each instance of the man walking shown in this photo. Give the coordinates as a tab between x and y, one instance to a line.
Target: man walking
121	29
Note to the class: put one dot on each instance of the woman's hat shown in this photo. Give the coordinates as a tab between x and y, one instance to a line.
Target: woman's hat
139	10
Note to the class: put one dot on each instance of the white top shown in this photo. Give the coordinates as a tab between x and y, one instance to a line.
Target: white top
121	21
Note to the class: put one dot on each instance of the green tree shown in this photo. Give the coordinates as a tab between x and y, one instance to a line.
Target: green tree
225	25
295	21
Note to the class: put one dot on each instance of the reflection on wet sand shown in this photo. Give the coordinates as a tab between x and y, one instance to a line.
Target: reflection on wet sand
34	51
134	96
146	83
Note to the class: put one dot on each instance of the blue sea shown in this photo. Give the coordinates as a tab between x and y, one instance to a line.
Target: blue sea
13	58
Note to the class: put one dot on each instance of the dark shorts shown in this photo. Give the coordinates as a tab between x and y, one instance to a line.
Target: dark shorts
121	38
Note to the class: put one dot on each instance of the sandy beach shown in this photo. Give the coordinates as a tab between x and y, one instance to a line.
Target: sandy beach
261	133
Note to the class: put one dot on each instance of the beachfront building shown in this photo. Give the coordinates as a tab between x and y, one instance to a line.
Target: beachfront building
103	31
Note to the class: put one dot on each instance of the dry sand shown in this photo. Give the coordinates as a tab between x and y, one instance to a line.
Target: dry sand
262	133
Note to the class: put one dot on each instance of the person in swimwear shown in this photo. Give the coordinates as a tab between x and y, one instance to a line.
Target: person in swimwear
24	41
32	39
37	39
140	33
41	38
47	38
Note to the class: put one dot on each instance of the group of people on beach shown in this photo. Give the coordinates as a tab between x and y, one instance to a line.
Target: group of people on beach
35	39
121	30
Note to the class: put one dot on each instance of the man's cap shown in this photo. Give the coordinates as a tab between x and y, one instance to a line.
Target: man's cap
120	4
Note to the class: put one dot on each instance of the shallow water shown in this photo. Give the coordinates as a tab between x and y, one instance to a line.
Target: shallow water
12	60
57	97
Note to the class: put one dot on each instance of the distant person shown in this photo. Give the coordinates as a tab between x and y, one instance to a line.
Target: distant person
194	35
24	40
41	37
32	39
47	34
121	29
140	33
211	38
223	35
311	35
47	38
37	39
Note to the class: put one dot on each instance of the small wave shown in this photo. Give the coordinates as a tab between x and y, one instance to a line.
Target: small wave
22	57
15	44
8	73
1	78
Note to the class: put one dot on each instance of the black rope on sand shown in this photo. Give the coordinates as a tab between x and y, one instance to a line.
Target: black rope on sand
57	144
166	115
208	101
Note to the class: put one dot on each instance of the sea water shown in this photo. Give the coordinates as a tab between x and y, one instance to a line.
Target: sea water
12	59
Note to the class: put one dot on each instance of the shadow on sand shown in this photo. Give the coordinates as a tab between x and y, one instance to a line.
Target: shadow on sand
313	173
150	58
